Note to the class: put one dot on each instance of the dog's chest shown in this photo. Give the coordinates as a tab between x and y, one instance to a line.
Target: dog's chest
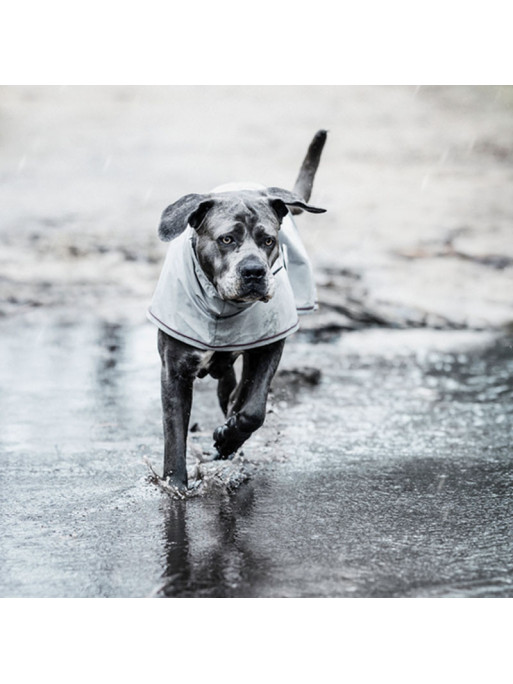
215	364
204	362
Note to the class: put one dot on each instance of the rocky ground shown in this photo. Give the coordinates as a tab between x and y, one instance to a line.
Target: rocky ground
416	180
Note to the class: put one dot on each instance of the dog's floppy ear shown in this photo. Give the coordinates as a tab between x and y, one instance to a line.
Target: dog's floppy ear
190	209
280	199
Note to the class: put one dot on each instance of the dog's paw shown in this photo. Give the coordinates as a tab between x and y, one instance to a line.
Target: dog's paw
221	457
225	447
177	484
220	436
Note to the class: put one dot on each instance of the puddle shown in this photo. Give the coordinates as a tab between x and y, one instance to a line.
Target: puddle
390	475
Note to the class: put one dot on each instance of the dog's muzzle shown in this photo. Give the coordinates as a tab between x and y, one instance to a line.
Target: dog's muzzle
254	281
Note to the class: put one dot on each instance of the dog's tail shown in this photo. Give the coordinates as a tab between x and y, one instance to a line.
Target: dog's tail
304	183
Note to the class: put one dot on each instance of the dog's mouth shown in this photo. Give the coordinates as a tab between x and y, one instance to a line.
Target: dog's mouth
251	297
247	292
254	292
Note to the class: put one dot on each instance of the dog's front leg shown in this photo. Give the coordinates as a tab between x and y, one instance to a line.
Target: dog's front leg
179	368
247	412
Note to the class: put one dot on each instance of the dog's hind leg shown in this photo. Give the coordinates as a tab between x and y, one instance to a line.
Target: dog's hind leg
220	367
225	387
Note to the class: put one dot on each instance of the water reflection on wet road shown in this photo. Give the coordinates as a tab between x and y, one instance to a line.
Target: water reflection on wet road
394	476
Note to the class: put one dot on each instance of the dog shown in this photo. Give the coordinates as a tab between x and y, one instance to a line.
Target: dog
235	278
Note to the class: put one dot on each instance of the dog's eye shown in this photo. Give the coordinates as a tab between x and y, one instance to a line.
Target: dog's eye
226	239
269	242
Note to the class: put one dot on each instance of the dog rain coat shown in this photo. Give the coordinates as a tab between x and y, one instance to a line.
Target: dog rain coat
186	305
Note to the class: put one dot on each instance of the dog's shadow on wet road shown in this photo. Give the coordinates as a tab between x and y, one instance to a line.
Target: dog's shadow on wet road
199	563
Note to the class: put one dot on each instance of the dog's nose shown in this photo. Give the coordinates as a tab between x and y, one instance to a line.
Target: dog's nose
252	270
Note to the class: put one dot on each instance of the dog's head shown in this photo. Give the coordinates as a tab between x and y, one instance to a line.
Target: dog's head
236	237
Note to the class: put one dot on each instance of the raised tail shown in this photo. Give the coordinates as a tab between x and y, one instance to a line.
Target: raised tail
304	183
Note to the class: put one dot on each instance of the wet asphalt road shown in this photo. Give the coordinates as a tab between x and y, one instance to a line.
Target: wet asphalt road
392	477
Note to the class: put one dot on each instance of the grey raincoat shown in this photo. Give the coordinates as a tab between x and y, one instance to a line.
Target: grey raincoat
186	305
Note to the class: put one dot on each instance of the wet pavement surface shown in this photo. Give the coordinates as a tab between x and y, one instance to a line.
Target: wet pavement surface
389	475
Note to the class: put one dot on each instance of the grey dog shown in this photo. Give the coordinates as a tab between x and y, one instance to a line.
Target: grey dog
227	267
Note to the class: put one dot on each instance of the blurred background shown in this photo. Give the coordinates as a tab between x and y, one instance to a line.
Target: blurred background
416	181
